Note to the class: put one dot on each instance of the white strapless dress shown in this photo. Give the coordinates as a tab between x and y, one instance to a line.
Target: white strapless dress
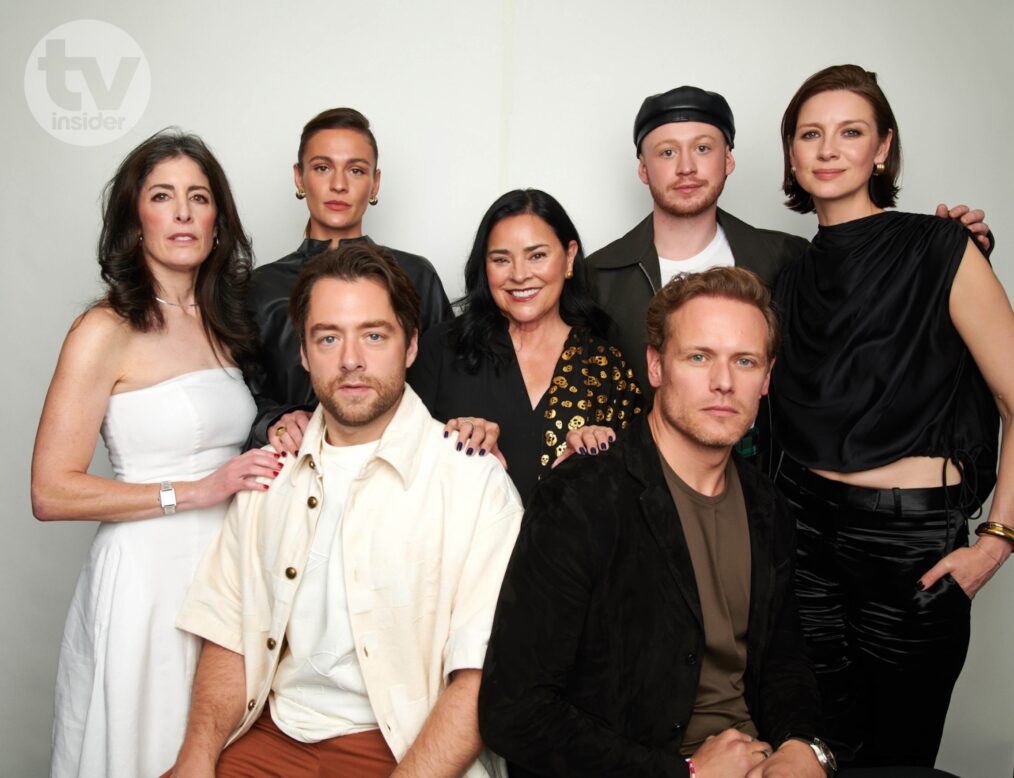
123	683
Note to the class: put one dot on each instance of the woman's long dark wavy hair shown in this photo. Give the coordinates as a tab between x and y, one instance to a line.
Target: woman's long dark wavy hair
222	279
473	331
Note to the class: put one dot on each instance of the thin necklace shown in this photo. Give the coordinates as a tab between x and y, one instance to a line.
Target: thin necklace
175	305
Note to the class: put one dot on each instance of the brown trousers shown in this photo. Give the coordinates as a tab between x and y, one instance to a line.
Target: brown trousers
267	751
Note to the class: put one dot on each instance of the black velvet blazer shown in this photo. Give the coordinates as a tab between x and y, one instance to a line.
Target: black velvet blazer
593	661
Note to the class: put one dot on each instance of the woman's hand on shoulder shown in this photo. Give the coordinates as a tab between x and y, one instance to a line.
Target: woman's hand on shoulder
286	432
472	435
238	474
590	439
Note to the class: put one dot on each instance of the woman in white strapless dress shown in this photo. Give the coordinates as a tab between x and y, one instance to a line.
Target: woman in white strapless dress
158	364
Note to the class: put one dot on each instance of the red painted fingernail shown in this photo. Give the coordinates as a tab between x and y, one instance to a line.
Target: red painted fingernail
264	487
276	472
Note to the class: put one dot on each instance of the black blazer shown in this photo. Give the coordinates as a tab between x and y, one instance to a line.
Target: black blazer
594	658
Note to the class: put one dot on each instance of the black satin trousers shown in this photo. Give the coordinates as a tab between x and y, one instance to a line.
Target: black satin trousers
887	655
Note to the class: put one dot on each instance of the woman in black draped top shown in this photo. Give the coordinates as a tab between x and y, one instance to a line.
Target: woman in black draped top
526	368
896	335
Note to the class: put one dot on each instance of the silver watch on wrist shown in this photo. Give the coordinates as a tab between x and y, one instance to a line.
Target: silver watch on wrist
167	498
825	756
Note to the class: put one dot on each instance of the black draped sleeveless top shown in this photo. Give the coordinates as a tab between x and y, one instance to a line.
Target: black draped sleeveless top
872	368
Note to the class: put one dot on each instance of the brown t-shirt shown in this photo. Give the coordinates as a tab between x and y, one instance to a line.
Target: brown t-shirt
718	537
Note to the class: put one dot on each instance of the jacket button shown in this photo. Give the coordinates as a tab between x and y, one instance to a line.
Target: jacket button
290	573
271	644
312	501
677	727
313	465
251	705
691	658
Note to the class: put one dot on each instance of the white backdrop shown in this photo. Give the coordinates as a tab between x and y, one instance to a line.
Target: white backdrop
468	99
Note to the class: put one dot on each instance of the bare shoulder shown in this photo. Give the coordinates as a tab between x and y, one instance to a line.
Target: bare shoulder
96	343
100	325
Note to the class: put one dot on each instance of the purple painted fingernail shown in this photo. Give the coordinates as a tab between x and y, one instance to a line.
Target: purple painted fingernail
458	447
594	451
446	433
469	451
482	452
581	450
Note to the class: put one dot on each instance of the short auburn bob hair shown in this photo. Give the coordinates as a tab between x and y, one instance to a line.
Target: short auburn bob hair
732	283
849	78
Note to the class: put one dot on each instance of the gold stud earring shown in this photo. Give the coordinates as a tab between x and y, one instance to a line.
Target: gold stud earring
300	194
374	200
879	169
569	274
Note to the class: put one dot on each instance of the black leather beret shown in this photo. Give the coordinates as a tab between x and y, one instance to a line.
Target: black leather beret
684	104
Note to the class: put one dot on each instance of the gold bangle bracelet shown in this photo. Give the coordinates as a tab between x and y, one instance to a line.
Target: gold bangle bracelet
996	529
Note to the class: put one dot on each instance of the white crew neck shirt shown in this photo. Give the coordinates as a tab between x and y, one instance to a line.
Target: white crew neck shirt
318	692
715	254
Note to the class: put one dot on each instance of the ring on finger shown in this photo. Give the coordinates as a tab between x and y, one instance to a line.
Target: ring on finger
765	751
279	430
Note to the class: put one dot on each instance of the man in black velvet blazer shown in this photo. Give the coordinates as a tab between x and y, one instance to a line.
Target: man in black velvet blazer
598	645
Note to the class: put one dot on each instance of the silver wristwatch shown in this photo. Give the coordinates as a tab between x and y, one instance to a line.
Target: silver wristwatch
167	498
825	756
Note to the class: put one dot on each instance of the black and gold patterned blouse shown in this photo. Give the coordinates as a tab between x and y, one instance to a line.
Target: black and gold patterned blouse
591	385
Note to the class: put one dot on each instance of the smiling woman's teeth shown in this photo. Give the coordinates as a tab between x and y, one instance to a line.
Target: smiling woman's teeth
523	294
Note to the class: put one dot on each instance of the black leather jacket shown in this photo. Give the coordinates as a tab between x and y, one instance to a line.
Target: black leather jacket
281	384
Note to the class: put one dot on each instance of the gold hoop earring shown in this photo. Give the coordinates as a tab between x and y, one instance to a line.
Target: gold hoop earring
879	169
374	200
300	194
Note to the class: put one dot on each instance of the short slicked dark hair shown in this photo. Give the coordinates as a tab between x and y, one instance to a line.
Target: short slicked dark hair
337	119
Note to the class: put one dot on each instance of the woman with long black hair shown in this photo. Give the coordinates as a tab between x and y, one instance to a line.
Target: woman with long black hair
526	363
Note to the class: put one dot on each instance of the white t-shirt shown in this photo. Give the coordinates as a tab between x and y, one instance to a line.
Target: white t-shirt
715	254
318	691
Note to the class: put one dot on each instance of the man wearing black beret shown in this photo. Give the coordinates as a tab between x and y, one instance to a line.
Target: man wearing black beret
684	140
